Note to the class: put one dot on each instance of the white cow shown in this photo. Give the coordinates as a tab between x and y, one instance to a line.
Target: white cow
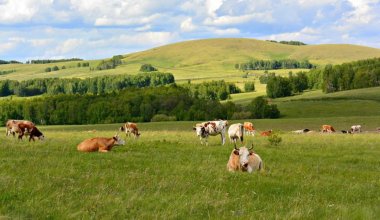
356	128
236	132
244	159
213	128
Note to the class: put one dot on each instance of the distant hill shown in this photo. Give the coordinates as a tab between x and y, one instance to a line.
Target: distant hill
206	58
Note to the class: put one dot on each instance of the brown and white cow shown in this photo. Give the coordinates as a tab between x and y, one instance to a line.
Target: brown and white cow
244	159
213	128
266	133
236	132
130	128
11	126
328	129
249	129
100	144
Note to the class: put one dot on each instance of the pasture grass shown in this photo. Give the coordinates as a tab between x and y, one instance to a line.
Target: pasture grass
167	174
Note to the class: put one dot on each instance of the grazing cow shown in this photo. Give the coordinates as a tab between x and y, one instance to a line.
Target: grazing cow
266	133
327	128
213	128
11	124
249	129
244	159
130	128
100	144
356	128
302	131
235	132
34	132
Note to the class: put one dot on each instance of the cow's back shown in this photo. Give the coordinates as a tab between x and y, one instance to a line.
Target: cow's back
90	145
255	162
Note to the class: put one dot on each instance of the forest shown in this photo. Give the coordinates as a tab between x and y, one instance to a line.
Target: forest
214	90
133	104
274	64
96	86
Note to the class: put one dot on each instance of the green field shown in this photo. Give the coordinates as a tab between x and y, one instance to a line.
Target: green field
167	174
200	59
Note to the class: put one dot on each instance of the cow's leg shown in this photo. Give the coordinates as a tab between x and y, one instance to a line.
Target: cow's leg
223	138
31	137
103	151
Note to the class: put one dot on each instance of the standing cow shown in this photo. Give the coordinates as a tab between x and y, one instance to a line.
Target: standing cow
356	128
249	129
130	128
213	128
236	132
100	144
244	159
14	126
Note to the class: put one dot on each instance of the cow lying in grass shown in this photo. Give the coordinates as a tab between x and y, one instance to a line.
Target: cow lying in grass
244	159
100	144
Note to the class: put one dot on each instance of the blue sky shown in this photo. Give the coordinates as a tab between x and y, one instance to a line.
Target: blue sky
95	29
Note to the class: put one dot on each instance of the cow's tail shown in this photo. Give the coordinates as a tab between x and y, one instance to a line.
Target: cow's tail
241	132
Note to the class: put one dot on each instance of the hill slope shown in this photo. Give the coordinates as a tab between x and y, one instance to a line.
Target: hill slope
202	58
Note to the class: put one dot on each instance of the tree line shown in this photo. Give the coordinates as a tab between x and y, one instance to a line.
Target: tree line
214	90
9	62
274	64
133	104
297	43
96	86
52	61
278	86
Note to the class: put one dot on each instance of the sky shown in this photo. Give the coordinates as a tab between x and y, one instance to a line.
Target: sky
96	29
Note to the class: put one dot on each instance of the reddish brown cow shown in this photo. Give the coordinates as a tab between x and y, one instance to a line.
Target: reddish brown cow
266	133
130	128
100	144
327	128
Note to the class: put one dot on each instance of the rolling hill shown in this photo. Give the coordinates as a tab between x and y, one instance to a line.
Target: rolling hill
201	59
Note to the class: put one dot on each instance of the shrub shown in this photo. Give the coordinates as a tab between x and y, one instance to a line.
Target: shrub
249	86
162	117
274	139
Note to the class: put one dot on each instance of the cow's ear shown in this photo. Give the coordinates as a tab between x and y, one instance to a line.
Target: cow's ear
194	129
251	153
236	152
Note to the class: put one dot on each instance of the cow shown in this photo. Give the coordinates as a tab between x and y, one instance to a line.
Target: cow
328	129
302	131
244	159
130	128
34	132
266	133
100	144
249	129
213	128
11	124
356	128
236	132
346	132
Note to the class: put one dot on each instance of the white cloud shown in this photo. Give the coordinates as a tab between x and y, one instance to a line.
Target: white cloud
228	31
68	46
187	25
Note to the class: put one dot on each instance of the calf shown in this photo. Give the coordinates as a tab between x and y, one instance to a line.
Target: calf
266	133
100	144
130	128
34	132
244	159
235	132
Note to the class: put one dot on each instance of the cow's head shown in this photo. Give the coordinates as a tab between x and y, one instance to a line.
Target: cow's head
200	131
118	140
37	133
244	154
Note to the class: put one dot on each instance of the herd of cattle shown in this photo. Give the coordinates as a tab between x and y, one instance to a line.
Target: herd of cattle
243	158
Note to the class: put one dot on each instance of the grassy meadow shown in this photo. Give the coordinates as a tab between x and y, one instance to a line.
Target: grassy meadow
167	174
